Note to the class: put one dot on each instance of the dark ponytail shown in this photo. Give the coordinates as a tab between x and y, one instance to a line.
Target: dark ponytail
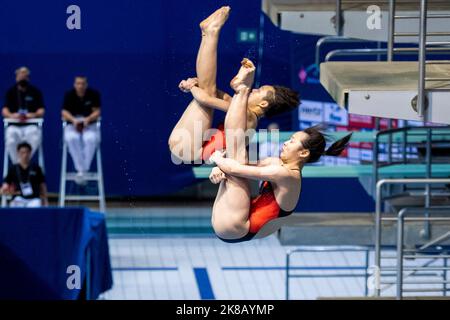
316	143
337	147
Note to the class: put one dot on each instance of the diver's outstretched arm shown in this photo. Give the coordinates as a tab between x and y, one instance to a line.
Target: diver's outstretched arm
206	100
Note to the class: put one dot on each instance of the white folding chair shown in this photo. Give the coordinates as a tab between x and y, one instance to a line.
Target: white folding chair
90	176
6	122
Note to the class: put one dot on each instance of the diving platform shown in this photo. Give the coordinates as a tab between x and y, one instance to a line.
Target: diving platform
387	89
319	17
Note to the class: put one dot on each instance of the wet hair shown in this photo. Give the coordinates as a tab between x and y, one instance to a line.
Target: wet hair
316	143
23	145
282	100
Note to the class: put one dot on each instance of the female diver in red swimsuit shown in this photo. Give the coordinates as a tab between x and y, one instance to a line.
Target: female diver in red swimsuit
194	126
236	217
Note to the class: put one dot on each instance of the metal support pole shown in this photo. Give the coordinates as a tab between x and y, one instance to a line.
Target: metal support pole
88	273
445	275
404	155
375	161
389	151
101	188
404	146
100	181
62	184
400	230
287	275
390	141
366	274
5	162
427	226
41	159
338	17
422	58
378	231
391	27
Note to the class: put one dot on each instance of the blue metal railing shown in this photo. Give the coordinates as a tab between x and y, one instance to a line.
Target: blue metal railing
303	249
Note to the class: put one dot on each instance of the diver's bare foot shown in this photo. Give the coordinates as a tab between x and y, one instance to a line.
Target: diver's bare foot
244	78
205	23
215	21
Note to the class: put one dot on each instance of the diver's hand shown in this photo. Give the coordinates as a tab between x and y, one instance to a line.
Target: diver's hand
216	176
217	157
227	165
188	84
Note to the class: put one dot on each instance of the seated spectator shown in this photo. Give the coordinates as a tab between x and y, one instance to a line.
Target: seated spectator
25	181
22	102
81	109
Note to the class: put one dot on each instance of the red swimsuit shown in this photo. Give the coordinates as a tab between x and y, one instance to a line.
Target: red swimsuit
216	142
263	209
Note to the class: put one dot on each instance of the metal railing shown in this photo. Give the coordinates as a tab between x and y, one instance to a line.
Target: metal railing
92	176
419	253
424	47
384	51
410	136
378	210
364	267
332	39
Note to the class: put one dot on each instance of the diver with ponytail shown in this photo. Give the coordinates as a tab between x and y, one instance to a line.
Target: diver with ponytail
316	143
236	216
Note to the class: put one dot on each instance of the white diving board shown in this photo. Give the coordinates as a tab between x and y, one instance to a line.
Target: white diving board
387	89
317	17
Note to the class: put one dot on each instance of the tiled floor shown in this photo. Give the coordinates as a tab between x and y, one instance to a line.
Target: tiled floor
207	268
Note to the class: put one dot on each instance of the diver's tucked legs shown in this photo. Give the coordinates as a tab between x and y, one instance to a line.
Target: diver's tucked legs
185	141
232	204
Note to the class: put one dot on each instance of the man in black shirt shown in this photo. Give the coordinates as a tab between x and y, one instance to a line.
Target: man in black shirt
22	102
81	109
25	181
